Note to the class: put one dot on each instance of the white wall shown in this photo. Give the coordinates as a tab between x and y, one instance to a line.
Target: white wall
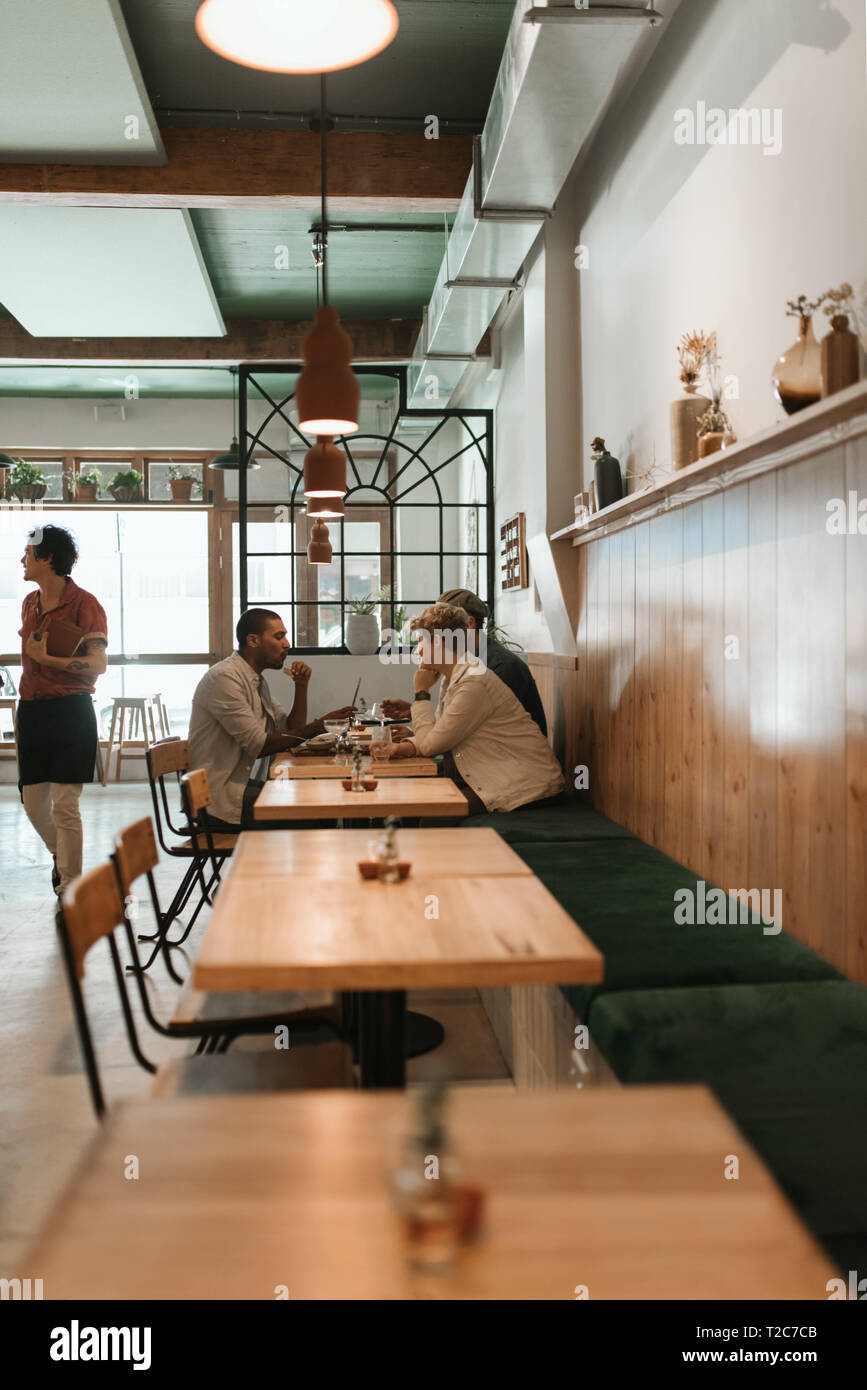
719	237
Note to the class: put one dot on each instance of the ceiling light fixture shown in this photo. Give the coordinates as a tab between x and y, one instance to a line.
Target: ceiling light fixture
297	35
324	470
231	460
326	394
319	550
326	507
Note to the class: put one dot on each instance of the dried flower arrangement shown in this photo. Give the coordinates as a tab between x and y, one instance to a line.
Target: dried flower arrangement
840	302
714	420
693	352
802	307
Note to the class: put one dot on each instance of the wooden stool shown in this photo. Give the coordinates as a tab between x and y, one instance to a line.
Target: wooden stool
10	702
141	709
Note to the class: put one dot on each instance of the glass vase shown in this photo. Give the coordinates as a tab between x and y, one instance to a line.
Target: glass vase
798	371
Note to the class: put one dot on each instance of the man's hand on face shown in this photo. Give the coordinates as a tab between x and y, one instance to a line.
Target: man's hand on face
404	749
425	679
395	709
299	673
400	732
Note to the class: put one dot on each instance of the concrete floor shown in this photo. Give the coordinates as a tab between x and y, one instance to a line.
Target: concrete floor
46	1118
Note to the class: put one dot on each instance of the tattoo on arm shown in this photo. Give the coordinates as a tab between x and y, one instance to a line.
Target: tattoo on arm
78	666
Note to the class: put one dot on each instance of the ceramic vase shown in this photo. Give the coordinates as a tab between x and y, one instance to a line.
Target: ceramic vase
685	414
839	357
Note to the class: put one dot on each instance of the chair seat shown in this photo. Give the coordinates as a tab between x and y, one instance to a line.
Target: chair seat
317	1067
224	843
197	1006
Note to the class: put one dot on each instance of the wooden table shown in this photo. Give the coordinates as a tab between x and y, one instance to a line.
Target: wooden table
438	929
324	854
314	798
285	765
620	1191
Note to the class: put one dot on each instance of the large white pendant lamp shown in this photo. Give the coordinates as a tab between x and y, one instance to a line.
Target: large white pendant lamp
297	35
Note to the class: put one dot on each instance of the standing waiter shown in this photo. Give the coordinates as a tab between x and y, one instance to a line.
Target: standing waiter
56	718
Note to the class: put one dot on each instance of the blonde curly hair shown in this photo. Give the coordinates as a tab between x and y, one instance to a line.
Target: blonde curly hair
440	617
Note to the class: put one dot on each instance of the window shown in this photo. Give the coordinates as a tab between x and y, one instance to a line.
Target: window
417	511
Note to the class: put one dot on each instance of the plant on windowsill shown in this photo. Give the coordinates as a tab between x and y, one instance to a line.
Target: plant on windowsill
362	627
126	485
86	486
27	481
183	483
399	621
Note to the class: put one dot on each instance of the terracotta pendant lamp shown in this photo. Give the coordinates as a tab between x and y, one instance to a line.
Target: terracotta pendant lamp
319	550
297	35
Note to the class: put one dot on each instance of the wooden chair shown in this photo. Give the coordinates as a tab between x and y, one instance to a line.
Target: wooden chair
92	909
166	760
215	1018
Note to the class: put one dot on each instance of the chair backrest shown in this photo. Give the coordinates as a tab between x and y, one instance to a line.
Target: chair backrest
91	909
169	757
196	792
136	852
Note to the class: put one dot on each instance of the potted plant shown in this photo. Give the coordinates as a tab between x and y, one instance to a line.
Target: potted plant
86	487
400	617
182	482
27	481
362	628
126	486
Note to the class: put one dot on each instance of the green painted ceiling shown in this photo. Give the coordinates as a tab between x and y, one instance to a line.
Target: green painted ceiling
105	383
261	263
443	60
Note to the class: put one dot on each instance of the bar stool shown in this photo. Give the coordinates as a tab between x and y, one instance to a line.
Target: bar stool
144	711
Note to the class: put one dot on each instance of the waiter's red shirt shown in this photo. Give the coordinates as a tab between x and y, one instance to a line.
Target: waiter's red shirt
75	606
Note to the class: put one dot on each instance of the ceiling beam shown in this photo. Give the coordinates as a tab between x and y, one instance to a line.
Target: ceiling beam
269	340
206	168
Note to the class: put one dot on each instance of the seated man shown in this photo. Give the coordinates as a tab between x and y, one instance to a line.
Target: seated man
235	722
494	750
504	663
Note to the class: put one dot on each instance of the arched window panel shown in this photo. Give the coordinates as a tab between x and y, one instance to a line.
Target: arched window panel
413	478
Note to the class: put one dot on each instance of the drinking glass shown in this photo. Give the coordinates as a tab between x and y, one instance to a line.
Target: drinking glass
380	742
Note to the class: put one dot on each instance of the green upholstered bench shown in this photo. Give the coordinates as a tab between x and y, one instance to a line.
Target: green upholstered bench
789	1063
562	818
621	893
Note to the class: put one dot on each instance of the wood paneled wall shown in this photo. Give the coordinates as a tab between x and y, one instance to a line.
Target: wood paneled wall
555	678
722	692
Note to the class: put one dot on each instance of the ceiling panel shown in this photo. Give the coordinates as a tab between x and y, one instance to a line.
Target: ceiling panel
70	87
105	272
261	263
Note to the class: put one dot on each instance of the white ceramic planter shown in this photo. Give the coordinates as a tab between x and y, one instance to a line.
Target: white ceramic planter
362	634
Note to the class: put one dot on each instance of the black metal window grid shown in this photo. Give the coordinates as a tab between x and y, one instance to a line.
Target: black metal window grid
384	495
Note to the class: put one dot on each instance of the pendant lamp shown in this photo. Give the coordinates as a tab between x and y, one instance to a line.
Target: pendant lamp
319	548
6	461
324	470
232	457
326	507
297	35
326	393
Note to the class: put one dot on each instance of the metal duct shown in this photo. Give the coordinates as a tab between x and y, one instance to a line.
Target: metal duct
557	71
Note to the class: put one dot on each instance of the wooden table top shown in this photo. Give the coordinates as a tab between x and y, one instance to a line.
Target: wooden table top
322	854
431	931
318	798
620	1191
285	765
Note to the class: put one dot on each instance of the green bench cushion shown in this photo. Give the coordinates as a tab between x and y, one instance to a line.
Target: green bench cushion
621	893
789	1063
566	818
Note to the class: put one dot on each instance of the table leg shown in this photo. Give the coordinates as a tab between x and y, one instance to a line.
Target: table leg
382	1038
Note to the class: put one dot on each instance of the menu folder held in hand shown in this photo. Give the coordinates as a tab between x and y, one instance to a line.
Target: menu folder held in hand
62	638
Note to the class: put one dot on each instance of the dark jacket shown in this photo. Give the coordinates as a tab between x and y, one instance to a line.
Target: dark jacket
516	674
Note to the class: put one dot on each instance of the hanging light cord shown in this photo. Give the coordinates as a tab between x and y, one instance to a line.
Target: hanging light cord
322	162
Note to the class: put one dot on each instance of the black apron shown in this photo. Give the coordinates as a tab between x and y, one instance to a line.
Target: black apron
56	740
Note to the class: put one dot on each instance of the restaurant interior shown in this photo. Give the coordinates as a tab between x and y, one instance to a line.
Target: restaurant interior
433	588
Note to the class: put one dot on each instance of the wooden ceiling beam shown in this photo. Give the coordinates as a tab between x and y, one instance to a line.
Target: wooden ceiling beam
378	172
246	340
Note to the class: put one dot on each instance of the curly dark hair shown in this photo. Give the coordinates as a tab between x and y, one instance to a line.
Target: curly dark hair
55	544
